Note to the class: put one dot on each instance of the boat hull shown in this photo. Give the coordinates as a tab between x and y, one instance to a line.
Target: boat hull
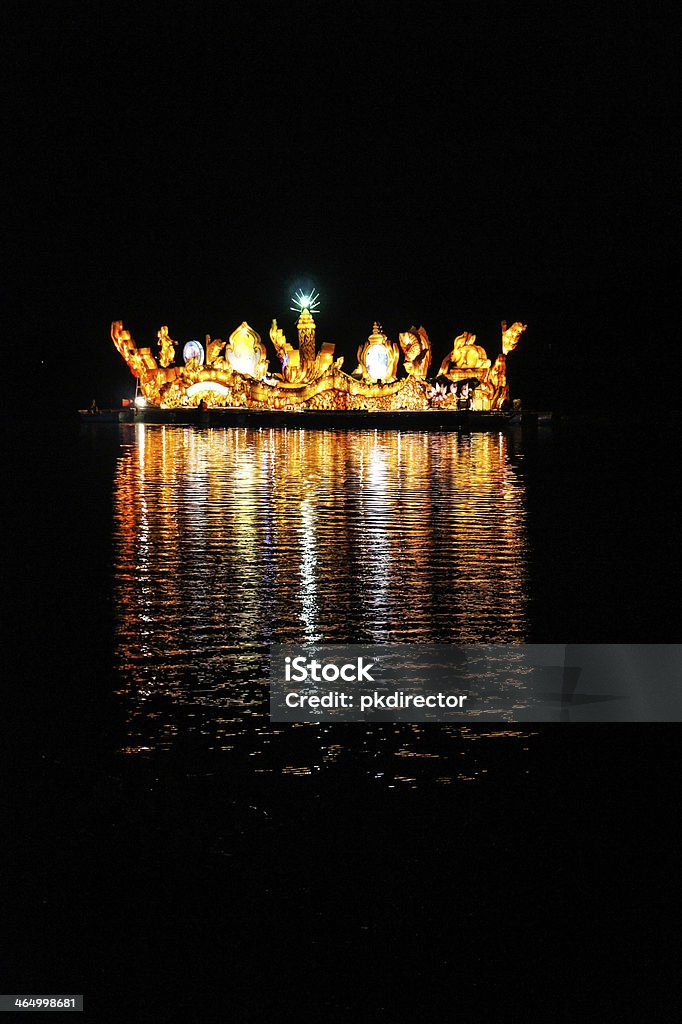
464	420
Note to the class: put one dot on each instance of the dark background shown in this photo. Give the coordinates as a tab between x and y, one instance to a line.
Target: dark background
454	166
193	165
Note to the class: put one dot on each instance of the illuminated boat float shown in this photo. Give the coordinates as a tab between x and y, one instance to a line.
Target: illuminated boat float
232	383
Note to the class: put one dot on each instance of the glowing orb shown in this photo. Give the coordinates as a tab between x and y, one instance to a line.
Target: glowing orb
140	401
376	361
193	350
306	300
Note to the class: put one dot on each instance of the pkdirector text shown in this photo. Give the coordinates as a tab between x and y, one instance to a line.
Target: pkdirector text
375	701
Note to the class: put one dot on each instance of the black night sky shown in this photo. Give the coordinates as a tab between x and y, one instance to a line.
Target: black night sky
192	165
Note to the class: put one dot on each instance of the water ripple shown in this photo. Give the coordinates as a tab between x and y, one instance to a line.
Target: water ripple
227	541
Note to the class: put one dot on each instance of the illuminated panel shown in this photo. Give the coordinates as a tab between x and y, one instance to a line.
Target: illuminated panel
206	385
376	361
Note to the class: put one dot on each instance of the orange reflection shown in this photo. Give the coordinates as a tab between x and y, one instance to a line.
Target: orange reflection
230	540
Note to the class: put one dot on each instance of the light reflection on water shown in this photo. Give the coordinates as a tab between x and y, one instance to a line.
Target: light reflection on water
227	541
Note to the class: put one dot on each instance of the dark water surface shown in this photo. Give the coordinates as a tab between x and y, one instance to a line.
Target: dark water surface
162	834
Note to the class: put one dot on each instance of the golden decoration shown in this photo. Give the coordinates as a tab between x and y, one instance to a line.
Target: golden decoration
245	352
213	349
166	347
510	336
378	358
306	340
416	350
465	355
290	358
238	378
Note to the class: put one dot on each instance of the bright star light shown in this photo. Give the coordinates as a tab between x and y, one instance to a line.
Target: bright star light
306	300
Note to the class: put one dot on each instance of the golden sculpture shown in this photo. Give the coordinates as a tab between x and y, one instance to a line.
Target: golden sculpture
245	352
239	378
306	341
288	356
378	358
465	355
213	349
497	382
417	351
298	368
166	347
468	363
510	336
